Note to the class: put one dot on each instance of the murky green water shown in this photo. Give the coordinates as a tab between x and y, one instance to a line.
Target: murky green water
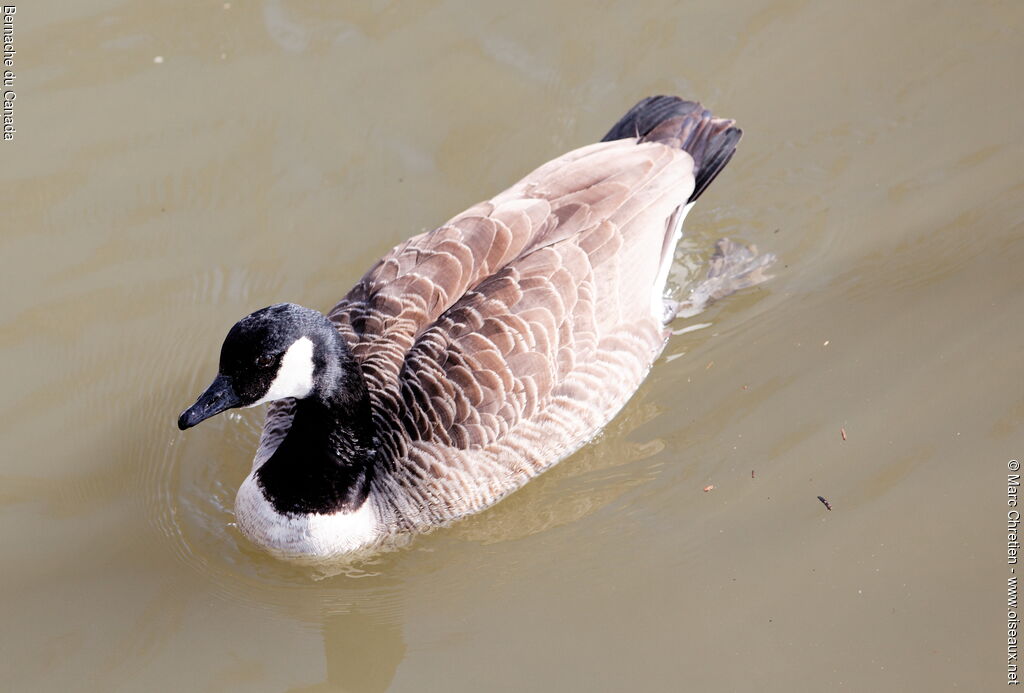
278	148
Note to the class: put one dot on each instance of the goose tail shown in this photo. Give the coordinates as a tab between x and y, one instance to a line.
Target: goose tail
684	124
711	142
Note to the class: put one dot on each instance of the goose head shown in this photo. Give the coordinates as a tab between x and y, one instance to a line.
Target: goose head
281	351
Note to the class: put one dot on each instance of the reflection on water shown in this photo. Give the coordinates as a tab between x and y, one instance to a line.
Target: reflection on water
280	148
362	654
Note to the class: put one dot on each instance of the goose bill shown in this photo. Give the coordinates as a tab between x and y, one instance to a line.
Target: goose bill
219	397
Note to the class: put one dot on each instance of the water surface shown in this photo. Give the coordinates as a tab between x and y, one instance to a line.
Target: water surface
276	149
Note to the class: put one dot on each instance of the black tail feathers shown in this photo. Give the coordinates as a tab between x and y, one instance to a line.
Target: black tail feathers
685	124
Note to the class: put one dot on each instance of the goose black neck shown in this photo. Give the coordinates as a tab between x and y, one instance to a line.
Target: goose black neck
326	461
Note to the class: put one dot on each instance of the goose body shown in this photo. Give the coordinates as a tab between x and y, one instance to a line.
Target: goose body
471	358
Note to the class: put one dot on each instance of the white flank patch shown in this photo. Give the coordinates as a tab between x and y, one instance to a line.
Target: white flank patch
309	536
658	299
295	375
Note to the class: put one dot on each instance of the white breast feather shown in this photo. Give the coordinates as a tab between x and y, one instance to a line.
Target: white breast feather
310	535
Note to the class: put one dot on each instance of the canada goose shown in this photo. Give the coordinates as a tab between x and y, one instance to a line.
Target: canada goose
473	357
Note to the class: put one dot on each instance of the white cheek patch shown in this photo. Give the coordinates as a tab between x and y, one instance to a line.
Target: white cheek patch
294	376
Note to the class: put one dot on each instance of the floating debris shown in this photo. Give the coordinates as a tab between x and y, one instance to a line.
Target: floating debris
751	473
158	59
842	432
710	364
825	502
708	487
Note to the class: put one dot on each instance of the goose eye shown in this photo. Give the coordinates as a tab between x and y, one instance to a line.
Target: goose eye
265	361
